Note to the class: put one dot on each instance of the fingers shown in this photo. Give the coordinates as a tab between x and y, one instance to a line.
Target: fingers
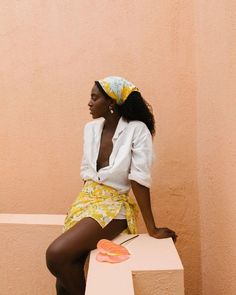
164	232
174	238
172	234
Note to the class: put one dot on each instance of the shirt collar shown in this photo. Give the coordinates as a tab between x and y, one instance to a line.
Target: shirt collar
122	124
98	127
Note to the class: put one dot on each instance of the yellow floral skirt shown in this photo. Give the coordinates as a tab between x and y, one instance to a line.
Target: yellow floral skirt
101	203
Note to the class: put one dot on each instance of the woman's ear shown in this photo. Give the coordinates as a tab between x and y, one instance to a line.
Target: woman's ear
113	106
111	109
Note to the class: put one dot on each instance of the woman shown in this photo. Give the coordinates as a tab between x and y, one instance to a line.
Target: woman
117	157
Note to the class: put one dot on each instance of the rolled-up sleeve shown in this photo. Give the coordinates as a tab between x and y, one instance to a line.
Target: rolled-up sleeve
142	156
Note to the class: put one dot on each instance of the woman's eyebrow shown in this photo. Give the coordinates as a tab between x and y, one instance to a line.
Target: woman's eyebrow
94	94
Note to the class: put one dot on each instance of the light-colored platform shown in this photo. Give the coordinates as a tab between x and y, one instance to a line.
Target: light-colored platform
24	240
47	219
154	268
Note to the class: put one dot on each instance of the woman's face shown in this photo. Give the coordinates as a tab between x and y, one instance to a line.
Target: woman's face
98	104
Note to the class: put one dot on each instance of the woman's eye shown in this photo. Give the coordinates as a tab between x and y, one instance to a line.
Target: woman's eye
93	98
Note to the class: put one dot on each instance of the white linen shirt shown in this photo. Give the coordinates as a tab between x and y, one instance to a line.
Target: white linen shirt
130	159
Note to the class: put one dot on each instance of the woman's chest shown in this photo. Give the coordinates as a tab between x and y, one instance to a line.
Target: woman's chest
107	150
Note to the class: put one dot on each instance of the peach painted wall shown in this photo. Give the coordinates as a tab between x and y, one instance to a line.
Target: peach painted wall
216	122
23	269
52	51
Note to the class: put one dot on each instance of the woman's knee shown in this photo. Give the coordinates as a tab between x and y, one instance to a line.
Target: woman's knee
56	258
60	254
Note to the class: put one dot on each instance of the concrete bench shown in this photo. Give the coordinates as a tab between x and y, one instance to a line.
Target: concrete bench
154	268
24	240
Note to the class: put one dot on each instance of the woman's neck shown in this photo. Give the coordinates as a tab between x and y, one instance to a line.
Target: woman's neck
111	121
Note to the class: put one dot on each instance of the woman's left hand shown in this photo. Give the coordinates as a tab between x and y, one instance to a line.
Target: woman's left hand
162	233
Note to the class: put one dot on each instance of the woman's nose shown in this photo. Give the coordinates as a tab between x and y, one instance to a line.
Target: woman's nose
90	103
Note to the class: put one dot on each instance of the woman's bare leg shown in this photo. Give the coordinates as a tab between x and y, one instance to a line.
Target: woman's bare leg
60	289
67	254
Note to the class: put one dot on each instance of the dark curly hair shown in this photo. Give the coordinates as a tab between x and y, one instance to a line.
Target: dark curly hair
134	108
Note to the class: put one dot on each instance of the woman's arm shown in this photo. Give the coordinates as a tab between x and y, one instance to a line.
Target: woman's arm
142	195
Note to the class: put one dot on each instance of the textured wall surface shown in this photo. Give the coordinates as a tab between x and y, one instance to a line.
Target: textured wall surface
145	283
216	109
23	269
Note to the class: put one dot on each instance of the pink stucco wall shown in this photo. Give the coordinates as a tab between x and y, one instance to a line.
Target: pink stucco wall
216	133
23	270
181	54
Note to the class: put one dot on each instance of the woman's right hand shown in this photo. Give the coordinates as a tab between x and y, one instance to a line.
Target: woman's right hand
162	233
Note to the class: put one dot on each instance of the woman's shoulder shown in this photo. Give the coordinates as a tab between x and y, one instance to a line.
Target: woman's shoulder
138	123
94	123
138	126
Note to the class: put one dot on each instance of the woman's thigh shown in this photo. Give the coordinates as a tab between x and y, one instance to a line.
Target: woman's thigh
83	237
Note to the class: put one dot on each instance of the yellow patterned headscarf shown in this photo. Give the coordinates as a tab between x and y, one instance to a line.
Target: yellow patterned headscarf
117	88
